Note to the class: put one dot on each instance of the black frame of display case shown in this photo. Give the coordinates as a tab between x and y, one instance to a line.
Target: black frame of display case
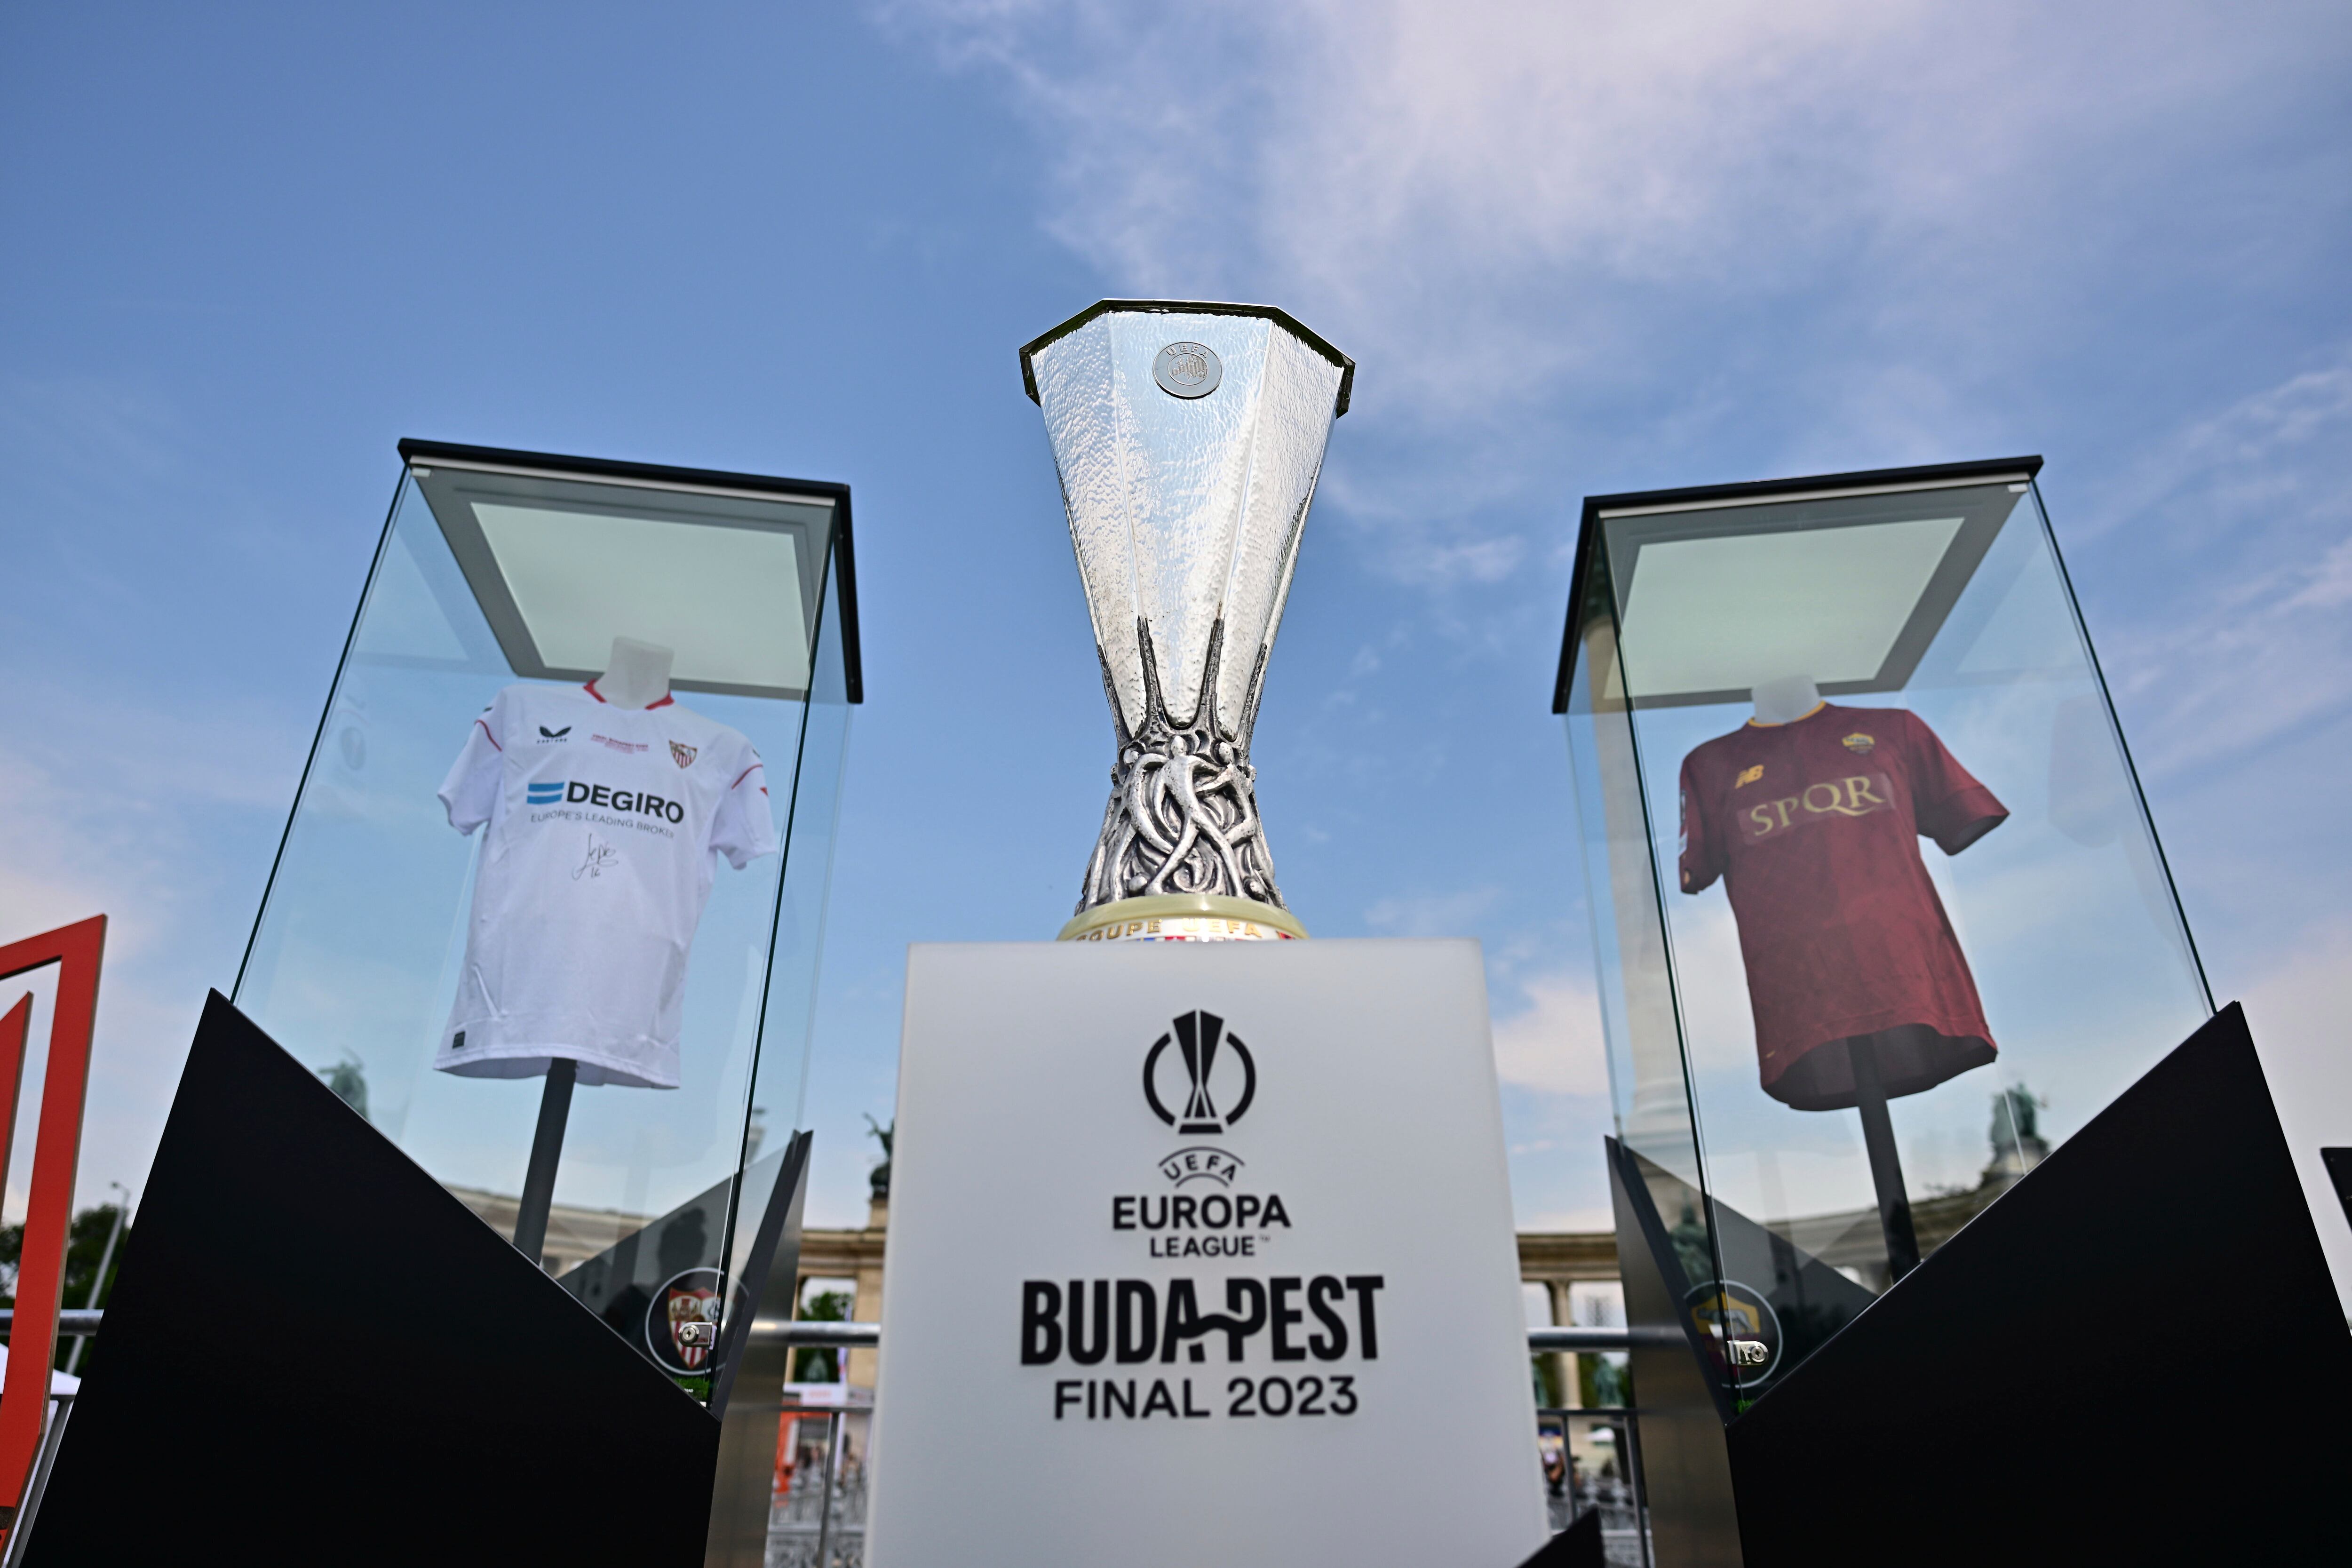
1758	491
412	451
2021	1359
841	557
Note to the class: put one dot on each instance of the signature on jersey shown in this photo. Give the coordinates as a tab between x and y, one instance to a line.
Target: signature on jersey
601	858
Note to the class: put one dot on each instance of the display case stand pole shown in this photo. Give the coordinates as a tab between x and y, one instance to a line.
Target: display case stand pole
547	1148
1885	1161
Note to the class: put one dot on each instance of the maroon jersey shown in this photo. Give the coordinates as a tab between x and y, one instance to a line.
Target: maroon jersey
1814	828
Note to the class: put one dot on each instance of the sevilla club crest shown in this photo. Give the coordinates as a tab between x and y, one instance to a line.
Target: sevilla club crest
690	1310
683	1318
682	755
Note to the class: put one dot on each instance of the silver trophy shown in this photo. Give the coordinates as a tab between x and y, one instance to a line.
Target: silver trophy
1188	437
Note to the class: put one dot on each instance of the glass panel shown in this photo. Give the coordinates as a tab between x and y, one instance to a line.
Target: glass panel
357	960
1871	1029
1646	1077
1657	1121
787	1022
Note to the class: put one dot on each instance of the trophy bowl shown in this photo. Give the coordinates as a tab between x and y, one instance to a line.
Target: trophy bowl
1188	437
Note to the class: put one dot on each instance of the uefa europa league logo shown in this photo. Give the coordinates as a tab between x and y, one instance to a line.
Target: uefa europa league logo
1197	1037
1189	438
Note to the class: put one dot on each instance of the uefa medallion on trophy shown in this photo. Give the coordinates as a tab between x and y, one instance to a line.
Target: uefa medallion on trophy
1188	437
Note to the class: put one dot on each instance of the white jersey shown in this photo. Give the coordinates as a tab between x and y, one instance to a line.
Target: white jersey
606	828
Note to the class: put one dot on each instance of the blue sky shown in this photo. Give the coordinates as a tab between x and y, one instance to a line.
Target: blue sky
1573	248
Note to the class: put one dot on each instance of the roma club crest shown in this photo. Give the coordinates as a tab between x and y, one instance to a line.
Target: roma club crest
1738	1326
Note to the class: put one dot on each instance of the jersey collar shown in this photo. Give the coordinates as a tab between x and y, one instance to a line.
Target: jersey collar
666	698
1752	724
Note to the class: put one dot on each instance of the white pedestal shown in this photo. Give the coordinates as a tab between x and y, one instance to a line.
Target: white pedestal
1335	1203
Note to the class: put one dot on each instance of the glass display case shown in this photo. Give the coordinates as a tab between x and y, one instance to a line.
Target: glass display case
1879	914
561	849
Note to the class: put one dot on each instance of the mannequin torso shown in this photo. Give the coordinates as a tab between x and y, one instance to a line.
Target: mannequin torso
1782	701
637	675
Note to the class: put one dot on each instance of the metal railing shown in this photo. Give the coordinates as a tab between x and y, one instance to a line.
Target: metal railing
832	1519
824	1525
866	1336
1614	1488
72	1321
815	1334
21	1531
1603	1338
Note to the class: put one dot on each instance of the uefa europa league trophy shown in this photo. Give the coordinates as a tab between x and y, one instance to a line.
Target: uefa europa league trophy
1188	437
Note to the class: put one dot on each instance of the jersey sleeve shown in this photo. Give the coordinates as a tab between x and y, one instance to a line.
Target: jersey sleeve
471	791
1702	850
1949	804
744	826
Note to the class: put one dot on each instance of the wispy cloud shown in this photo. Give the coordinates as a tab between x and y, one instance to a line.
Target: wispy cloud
1436	914
1439	173
82	834
1569	238
1551	1044
1590	246
2252	505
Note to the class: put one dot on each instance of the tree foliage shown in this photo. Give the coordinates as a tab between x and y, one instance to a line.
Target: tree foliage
822	1365
85	1245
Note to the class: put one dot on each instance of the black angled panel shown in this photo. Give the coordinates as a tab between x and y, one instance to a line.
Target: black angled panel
2339	1176
2050	1385
1578	1546
315	1354
1685	1465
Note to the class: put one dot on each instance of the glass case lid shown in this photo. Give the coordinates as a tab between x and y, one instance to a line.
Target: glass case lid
1845	578
564	554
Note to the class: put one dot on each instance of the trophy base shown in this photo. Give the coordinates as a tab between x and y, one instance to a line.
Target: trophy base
1184	917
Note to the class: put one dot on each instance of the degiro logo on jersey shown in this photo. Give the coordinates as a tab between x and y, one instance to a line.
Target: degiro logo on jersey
578	792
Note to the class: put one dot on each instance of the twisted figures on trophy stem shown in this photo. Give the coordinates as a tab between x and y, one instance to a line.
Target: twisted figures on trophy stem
1182	815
